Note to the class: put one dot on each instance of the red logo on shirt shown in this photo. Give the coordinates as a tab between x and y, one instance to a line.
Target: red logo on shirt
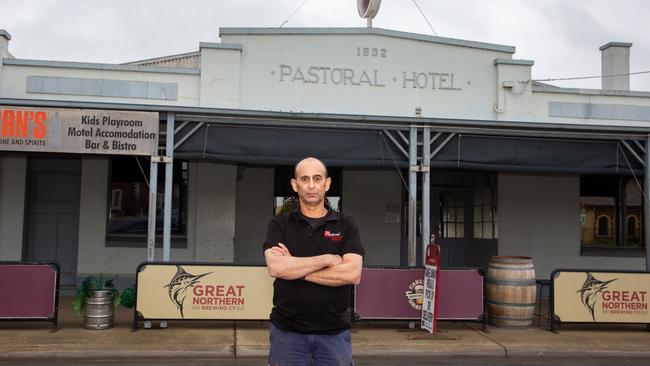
333	236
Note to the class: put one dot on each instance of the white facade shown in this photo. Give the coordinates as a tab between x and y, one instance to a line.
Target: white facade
360	72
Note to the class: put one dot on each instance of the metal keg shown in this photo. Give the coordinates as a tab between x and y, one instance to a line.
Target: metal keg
99	311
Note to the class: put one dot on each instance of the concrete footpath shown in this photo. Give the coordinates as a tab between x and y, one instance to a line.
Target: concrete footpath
227	339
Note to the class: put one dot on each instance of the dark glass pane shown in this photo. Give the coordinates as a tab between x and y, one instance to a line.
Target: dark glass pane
129	197
631	226
599	185
605	203
603	226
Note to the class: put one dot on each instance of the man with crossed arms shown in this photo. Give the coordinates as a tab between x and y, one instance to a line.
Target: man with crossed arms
315	255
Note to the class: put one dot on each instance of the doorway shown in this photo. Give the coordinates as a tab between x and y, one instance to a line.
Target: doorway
52	230
450	212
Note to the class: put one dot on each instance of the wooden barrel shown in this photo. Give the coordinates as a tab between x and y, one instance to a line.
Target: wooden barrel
511	291
99	312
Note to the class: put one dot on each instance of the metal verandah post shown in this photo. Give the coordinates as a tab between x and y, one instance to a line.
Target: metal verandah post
426	194
167	218
151	227
646	204
413	192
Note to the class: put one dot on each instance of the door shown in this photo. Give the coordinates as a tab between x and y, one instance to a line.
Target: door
451	214
53	214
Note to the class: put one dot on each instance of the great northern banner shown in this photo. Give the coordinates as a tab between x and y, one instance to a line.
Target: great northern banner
197	291
601	297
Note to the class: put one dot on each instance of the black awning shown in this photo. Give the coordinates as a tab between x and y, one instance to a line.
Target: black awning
541	155
281	145
272	145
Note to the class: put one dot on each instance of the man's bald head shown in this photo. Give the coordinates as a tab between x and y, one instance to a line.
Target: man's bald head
310	160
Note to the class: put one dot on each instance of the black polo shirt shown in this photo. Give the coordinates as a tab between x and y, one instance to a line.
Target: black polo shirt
302	306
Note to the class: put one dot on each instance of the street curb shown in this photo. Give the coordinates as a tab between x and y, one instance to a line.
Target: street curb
112	355
212	355
428	353
573	353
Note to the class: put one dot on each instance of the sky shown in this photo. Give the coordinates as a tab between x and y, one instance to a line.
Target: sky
561	36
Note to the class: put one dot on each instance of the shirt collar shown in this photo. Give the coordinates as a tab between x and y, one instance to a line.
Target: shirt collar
330	216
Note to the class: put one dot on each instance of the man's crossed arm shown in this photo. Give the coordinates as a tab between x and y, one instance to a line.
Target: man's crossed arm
326	269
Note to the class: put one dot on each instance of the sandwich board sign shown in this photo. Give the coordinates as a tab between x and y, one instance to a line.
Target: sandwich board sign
431	271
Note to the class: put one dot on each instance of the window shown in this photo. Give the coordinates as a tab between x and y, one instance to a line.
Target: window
603	227
485	214
610	212
285	199
632	228
453	214
129	199
116	199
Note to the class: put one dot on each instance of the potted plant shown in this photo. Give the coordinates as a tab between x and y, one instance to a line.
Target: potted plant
96	300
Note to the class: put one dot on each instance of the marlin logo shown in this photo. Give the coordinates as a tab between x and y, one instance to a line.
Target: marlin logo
179	285
589	291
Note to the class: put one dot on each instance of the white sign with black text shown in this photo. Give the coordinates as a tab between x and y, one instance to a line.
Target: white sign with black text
428	306
84	131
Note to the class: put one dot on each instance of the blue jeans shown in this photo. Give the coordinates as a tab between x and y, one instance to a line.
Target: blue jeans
296	349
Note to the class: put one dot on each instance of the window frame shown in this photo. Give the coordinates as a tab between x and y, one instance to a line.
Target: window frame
130	240
458	211
621	214
481	220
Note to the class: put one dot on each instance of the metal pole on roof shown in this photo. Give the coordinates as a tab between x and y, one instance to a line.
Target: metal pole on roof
167	218
646	204
426	209
413	192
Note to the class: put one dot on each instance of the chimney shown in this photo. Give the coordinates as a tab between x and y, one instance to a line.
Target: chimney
4	43
616	61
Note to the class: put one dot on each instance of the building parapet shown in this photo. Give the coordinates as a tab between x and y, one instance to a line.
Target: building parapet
99	66
222	46
508	61
189	60
368	31
609	93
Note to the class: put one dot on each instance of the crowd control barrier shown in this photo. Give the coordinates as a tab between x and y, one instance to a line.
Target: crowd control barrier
397	294
202	291
215	291
29	291
599	297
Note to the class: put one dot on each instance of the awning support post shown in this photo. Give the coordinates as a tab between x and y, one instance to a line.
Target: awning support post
167	218
413	192
426	190
646	204
151	227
